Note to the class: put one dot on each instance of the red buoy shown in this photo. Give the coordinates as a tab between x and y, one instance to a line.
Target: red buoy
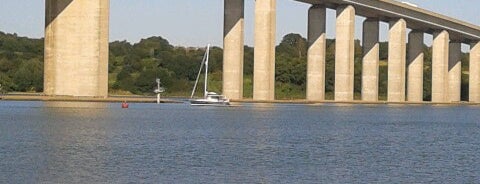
124	105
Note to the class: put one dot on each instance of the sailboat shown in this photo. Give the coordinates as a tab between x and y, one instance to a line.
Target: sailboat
209	98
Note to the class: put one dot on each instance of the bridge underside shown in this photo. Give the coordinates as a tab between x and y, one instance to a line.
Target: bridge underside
448	34
416	18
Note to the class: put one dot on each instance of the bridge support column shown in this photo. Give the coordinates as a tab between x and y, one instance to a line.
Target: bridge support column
371	49
264	56
233	45
396	61
415	66
76	48
344	53
474	91
440	66
455	72
316	53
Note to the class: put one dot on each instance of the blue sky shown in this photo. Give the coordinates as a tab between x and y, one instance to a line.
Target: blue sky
198	22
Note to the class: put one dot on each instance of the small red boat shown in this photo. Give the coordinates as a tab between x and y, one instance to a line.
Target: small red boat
124	105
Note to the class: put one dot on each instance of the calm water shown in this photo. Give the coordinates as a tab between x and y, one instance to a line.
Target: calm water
62	142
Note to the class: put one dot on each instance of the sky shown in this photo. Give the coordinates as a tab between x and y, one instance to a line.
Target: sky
199	22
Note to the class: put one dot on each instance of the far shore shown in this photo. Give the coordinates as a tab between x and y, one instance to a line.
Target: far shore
153	99
109	99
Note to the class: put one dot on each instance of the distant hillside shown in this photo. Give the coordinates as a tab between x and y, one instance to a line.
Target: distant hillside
21	63
133	68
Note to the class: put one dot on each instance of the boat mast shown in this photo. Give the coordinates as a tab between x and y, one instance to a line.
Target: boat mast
206	71
198	75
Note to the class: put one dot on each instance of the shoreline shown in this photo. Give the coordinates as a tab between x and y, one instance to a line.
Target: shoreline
153	99
354	102
110	99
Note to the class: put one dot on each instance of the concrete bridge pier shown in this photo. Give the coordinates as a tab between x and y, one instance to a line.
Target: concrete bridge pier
316	53
233	45
396	60
415	66
371	60
455	72
474	90
76	48
264	56
344	53
440	66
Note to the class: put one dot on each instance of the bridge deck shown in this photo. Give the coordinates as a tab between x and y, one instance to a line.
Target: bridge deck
417	18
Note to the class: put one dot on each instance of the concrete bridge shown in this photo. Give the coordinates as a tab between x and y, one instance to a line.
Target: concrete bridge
76	50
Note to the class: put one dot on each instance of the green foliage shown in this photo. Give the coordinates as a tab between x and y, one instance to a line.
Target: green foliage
383	51
358	56
289	91
427	74
137	66
6	83
21	63
291	67
293	46
29	76
133	68
248	61
330	69
291	70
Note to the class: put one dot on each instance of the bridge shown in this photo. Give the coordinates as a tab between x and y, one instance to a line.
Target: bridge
76	50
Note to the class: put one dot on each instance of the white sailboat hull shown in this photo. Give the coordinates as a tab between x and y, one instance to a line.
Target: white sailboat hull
204	102
211	99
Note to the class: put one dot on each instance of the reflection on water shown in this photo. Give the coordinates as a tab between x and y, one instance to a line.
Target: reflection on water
77	141
251	143
262	106
53	138
88	112
90	105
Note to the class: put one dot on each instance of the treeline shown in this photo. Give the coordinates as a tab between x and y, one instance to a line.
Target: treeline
133	68
21	63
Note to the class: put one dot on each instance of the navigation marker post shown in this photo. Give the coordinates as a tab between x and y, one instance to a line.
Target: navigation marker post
158	90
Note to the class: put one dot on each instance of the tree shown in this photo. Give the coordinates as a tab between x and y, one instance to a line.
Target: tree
293	45
29	77
151	47
6	83
383	50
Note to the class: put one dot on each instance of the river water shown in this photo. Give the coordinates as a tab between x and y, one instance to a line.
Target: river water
65	142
